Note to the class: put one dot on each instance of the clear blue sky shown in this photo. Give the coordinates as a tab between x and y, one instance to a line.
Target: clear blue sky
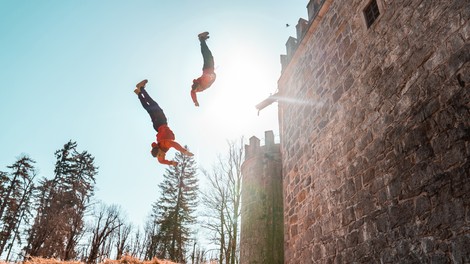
68	70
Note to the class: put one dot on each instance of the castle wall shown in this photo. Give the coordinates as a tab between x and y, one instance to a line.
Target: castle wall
261	236
375	135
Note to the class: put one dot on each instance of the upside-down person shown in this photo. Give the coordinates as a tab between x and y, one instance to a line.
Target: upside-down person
165	137
208	75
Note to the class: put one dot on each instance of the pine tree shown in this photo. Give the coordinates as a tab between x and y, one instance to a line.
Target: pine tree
17	189
3	186
174	210
62	203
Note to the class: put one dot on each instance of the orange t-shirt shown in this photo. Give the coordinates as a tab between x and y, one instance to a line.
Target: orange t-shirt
163	136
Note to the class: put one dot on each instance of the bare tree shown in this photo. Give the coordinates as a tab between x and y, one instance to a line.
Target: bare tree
136	245
122	236
222	203
107	221
197	255
151	242
215	200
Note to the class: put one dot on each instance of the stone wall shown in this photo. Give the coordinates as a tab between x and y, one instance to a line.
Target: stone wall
261	236
375	134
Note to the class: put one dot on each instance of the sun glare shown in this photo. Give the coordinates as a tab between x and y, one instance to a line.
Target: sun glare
244	78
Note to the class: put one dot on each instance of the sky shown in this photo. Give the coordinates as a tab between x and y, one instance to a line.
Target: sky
68	70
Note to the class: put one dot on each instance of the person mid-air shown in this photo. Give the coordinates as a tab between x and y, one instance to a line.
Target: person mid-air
165	137
208	75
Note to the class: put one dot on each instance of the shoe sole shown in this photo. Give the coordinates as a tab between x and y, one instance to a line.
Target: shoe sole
203	35
141	84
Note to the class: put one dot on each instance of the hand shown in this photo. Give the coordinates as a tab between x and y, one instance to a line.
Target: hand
187	153
173	163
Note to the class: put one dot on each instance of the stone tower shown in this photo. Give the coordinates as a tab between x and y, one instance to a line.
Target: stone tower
261	237
374	110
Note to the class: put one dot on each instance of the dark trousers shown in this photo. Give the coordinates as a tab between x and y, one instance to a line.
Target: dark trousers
207	56
154	110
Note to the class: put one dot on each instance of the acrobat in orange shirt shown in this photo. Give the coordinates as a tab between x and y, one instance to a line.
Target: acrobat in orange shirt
165	137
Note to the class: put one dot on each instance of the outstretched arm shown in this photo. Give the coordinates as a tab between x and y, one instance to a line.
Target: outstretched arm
178	147
194	97
162	160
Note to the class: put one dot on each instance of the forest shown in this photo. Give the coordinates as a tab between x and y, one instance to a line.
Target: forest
56	217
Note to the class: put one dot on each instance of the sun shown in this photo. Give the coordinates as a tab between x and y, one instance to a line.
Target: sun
244	78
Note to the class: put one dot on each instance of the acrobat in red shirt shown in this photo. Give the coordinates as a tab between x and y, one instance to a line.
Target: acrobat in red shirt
208	75
165	137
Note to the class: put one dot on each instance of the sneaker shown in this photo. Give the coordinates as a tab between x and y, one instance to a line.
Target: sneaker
137	90
141	84
203	35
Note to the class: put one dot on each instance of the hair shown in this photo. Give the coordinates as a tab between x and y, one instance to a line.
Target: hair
195	84
154	151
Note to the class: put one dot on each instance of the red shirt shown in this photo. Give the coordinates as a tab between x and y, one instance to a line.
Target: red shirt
166	140
205	81
164	134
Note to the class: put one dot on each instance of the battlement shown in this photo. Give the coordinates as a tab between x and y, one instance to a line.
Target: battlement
254	148
315	8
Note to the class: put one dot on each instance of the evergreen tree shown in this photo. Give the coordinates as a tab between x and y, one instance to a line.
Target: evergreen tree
3	186
61	205
16	191
174	210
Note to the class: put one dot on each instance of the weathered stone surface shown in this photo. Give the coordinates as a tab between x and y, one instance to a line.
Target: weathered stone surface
377	168
262	232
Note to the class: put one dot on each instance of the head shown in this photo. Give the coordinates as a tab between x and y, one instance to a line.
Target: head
157	151
195	84
154	150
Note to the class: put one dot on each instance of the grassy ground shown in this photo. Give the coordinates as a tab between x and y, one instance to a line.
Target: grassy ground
123	260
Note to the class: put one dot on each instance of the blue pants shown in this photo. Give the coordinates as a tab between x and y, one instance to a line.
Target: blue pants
154	110
207	56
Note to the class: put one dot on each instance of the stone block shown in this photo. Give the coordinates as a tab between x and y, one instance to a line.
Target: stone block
347	216
422	205
401	213
352	239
